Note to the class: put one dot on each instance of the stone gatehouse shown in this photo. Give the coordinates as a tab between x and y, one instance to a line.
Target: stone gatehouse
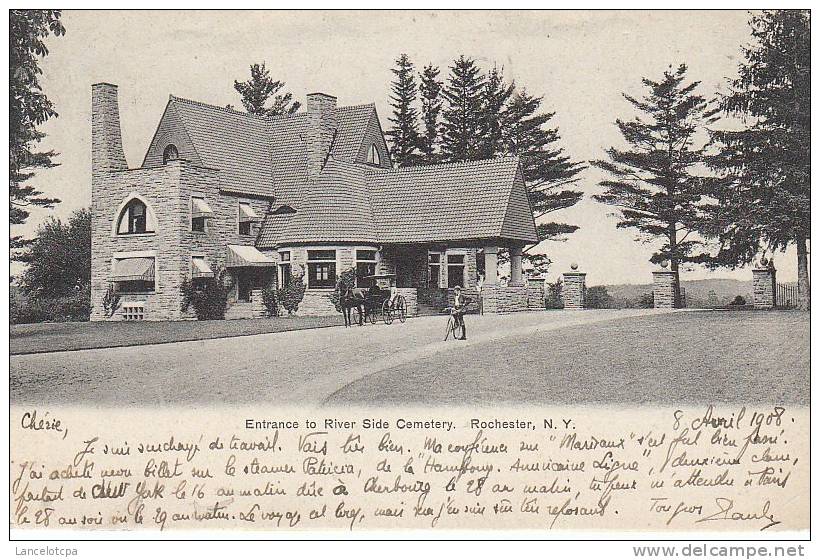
311	194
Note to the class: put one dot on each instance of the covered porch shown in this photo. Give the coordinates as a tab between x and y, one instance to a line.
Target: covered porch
429	272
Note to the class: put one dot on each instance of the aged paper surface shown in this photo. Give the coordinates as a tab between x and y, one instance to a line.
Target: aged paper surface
727	468
549	421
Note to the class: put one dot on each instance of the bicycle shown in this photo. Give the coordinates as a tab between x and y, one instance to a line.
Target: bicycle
452	327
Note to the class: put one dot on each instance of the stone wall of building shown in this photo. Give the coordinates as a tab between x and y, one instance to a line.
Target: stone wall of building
764	288
159	190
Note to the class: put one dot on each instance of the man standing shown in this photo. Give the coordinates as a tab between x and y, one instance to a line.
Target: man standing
460	303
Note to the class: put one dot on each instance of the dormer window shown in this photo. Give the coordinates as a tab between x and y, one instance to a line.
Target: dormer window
373	157
134	219
171	153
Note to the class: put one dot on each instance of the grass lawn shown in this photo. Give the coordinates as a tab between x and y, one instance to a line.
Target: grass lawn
55	337
681	358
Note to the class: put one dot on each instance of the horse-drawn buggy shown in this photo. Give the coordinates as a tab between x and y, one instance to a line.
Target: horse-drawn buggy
360	305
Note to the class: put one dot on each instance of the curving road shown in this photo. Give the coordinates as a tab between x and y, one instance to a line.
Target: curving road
567	357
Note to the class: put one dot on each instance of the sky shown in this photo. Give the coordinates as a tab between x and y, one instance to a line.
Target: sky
580	61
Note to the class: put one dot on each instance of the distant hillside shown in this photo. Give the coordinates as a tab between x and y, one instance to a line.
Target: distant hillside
697	291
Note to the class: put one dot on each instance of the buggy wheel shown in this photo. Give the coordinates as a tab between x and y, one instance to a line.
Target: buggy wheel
402	309
387	313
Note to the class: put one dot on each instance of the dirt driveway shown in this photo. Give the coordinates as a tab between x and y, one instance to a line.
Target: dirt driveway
299	367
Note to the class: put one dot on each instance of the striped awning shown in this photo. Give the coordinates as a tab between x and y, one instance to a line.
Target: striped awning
134	268
200	208
245	255
247	213
201	268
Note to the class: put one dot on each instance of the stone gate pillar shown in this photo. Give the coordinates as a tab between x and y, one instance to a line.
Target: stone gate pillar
535	292
574	288
764	286
664	284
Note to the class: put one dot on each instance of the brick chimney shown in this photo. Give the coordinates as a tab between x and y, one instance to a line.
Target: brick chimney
106	136
322	124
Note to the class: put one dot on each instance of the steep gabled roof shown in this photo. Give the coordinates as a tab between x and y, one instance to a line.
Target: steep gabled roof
260	156
470	200
235	143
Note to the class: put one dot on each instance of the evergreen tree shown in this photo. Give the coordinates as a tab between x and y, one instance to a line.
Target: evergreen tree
764	194
461	118
404	135
654	183
497	94
549	172
431	102
258	90
28	108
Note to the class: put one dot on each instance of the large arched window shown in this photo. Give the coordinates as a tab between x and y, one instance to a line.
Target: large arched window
373	157
171	153
135	218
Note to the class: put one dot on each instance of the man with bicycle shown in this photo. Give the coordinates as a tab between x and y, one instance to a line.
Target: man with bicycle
460	303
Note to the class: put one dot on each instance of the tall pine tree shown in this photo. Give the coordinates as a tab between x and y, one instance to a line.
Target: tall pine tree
655	183
764	197
431	102
404	135
461	118
258	90
496	96
29	108
549	172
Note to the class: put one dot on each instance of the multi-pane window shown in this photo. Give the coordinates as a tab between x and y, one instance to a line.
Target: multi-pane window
433	269
455	270
284	268
321	268
365	268
133	311
134	218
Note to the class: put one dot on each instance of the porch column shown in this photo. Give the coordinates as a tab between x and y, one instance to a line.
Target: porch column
515	267
490	266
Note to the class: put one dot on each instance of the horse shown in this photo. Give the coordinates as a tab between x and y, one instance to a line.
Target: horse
352	297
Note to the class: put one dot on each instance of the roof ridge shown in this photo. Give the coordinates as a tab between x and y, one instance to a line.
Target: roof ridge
219	107
357	106
497	159
173	97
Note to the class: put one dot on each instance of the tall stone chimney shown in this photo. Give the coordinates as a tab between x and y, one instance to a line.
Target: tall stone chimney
322	125
106	136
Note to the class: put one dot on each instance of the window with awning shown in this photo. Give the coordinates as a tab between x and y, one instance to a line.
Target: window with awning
247	217
200	211
134	274
245	255
247	213
200	268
